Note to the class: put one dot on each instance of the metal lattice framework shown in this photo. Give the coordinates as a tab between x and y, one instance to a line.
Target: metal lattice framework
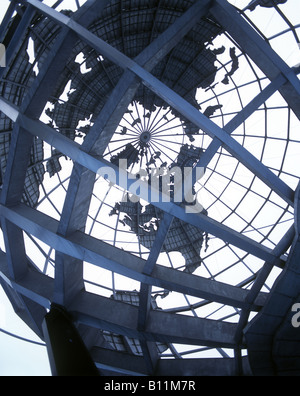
152	288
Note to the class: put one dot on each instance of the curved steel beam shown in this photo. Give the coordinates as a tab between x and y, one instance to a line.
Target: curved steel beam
94	251
203	222
180	104
260	52
21	141
122	318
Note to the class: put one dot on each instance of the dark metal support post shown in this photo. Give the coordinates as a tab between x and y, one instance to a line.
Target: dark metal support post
68	355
